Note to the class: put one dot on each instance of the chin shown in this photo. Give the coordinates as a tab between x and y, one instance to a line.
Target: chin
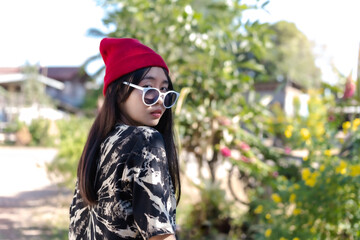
152	123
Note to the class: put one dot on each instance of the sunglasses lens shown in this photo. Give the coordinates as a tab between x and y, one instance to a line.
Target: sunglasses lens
151	96
170	99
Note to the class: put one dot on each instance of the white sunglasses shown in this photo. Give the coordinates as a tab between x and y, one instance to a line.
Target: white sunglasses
151	96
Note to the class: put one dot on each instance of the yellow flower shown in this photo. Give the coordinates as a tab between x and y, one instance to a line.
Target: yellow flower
296	211
310	182
268	232
322	167
346	125
296	238
309	178
319	130
341	168
288	133
327	153
268	216
305	134
305	173
313	230
292	198
356	124
305	158
276	197
355	170
258	209
296	186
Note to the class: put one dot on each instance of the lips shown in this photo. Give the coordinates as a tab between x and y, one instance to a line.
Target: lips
156	113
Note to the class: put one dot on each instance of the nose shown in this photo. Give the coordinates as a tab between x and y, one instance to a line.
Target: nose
161	100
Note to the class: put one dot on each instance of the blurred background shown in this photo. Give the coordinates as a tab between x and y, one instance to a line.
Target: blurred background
267	121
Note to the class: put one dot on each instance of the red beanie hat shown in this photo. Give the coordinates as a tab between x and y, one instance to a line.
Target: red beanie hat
125	55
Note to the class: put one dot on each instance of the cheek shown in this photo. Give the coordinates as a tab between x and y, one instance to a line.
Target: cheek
133	106
134	100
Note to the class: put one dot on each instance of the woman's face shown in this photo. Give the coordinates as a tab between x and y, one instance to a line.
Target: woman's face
135	112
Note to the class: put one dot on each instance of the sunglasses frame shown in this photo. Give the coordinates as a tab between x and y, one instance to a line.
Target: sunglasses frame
161	94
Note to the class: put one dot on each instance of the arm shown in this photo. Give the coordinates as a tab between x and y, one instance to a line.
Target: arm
154	202
163	237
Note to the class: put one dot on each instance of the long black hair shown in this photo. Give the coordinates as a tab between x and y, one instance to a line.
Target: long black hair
108	116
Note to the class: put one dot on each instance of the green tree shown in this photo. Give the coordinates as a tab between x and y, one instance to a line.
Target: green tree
33	89
206	44
291	57
212	54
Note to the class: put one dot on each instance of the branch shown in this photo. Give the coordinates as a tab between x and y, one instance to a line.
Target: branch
231	188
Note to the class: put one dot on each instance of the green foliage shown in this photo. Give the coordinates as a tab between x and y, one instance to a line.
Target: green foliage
14	126
215	58
290	58
39	130
211	215
312	131
212	55
323	202
73	135
210	51
33	89
90	104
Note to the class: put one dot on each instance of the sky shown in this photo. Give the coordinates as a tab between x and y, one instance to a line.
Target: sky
54	32
48	32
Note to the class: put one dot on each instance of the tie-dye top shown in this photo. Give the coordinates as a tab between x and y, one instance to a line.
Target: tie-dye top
136	197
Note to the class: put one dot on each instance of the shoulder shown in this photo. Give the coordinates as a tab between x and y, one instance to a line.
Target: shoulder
147	136
143	135
150	136
147	148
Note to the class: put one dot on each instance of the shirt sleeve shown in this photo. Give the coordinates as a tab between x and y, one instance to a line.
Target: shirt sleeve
154	201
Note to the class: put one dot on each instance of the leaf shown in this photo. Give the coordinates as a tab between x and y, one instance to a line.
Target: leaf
264	4
93	32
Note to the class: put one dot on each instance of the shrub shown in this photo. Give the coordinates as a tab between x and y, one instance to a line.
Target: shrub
73	135
39	130
324	201
210	216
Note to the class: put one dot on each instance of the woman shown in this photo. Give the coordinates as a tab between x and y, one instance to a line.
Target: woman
128	173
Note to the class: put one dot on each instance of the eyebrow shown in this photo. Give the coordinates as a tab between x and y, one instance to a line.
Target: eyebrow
152	78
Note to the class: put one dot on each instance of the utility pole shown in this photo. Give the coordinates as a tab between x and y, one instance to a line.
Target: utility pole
358	77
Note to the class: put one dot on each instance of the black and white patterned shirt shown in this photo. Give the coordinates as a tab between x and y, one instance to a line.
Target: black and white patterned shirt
136	197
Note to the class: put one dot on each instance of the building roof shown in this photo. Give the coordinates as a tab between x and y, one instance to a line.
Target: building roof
20	77
10	70
271	86
64	73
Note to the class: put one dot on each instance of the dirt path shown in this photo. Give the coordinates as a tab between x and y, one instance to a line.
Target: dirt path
31	207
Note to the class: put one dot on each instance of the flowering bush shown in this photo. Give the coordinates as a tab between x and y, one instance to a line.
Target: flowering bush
323	204
323	201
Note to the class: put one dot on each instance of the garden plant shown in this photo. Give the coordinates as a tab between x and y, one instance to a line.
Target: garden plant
306	186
